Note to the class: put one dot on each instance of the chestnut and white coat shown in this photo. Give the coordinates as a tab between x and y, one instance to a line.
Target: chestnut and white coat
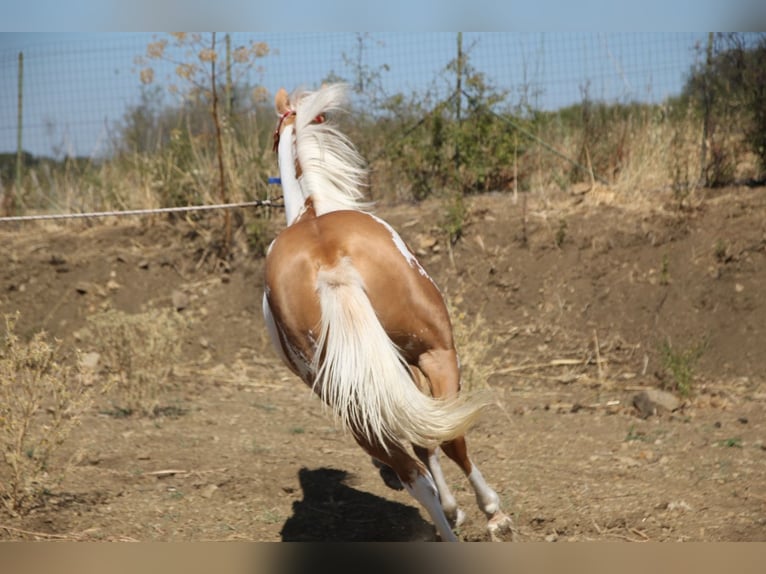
353	313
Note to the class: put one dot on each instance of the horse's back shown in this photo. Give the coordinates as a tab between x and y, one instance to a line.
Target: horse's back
404	297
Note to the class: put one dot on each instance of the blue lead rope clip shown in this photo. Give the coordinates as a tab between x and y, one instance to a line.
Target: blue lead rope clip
276	180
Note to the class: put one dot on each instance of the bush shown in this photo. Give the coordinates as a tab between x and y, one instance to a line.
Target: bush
729	91
41	401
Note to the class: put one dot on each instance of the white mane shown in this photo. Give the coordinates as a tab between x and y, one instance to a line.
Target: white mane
333	172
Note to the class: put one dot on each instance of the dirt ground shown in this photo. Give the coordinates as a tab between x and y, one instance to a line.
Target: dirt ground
578	295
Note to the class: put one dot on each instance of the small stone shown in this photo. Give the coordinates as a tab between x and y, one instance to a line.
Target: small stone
627	461
89	361
679	506
652	401
646	455
82	335
180	300
208	491
425	242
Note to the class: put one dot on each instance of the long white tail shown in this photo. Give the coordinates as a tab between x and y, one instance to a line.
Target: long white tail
363	377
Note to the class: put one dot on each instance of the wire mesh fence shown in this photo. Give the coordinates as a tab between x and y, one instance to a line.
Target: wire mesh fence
77	87
100	122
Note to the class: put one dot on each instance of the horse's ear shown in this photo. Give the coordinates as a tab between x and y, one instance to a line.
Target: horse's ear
282	101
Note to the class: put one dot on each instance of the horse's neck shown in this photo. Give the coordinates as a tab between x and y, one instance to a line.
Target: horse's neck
329	195
292	193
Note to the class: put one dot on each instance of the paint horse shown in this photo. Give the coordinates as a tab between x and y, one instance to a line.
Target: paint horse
352	312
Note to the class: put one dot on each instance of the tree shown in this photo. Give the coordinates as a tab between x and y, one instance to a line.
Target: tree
196	59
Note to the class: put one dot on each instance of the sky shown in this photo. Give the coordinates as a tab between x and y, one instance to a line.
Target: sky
77	86
401	15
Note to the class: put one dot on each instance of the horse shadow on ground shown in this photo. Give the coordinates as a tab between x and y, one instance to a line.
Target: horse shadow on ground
333	511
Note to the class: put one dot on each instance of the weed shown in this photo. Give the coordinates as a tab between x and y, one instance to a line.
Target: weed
271	516
720	251
170	411
665	270
681	176
138	351
257	448
258	236
268	407
678	366
454	218
734	442
561	233
641	436
175	494
634	435
41	401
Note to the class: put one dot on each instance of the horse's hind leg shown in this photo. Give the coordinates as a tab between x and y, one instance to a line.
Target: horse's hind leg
430	458
417	481
489	502
388	475
441	369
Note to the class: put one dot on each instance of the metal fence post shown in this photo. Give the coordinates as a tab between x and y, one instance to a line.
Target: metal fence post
11	206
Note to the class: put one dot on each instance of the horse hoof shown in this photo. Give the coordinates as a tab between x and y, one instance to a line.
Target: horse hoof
500	528
389	477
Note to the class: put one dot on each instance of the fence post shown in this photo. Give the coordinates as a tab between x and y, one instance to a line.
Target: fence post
459	92
229	94
11	206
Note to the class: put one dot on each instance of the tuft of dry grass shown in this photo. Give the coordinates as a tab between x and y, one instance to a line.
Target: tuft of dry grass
138	352
41	401
473	340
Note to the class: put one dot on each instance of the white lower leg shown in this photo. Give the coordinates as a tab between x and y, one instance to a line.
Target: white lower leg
499	523
486	498
423	489
449	504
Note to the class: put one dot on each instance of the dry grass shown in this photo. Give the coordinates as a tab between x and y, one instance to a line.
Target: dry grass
138	352
634	161
182	173
41	401
474	341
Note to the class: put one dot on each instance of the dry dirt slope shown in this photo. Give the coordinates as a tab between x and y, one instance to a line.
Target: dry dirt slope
577	300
